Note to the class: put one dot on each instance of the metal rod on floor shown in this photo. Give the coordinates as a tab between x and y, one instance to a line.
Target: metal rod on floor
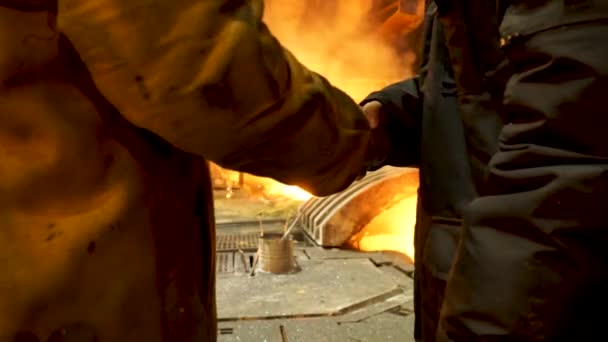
283	333
243	258
292	226
261	225
255	264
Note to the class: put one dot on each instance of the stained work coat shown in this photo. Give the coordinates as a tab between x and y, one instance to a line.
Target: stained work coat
108	110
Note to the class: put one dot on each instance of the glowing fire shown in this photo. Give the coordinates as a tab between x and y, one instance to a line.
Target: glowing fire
391	230
269	188
290	191
346	41
254	187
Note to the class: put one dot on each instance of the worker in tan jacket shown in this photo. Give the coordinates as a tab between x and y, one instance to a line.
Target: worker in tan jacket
108	112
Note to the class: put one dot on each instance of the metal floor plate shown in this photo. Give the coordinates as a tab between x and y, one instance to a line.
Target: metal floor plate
338	296
322	288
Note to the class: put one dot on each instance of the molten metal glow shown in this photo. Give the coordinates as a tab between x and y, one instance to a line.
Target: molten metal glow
392	230
255	187
270	188
345	40
289	191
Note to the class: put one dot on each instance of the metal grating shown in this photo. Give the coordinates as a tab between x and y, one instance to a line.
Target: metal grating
224	263
234	242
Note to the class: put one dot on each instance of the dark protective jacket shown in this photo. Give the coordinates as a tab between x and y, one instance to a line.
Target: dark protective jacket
108	110
532	257
531	264
451	152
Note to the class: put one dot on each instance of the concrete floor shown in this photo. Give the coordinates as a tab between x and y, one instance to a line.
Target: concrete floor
337	295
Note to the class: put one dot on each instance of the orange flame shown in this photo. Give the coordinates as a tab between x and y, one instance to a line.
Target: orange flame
269	188
391	230
341	40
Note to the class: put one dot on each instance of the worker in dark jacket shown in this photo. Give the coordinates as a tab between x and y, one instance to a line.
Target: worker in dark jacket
451	152
531	265
532	257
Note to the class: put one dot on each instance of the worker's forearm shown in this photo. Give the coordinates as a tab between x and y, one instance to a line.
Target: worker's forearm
208	77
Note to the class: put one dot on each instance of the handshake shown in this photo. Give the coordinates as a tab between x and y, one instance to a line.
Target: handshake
379	147
394	116
372	111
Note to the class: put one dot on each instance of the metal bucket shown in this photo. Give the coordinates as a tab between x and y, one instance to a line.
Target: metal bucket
276	255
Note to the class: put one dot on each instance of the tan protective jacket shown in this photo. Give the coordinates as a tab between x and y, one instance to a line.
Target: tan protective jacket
108	110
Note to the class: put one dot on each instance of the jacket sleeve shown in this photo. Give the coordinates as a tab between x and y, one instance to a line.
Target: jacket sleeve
402	113
208	77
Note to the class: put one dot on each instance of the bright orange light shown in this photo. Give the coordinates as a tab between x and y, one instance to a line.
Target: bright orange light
340	40
290	191
391	230
270	188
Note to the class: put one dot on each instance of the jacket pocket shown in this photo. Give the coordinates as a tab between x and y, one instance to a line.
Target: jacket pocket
440	246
